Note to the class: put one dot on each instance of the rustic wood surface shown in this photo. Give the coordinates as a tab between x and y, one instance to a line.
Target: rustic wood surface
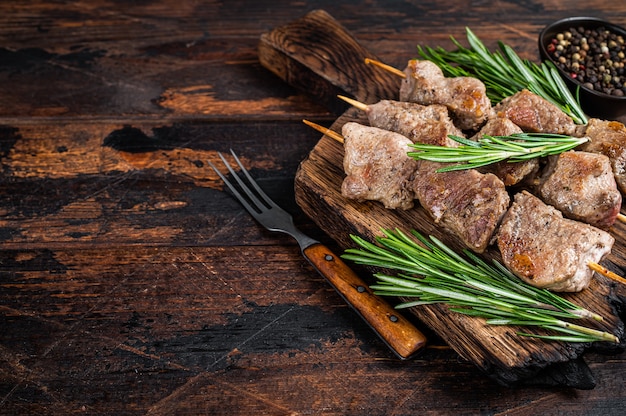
131	284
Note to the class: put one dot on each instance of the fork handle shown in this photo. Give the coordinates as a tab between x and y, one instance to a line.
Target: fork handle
395	330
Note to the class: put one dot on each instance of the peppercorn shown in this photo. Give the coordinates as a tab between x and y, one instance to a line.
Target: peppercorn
595	57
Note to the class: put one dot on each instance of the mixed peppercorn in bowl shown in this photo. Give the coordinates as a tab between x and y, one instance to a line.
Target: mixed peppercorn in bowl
590	54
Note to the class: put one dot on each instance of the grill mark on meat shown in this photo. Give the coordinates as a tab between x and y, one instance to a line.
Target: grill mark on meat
377	166
581	185
546	250
608	138
467	203
534	114
465	97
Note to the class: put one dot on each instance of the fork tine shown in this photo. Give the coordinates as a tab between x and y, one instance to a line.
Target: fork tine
252	210
254	184
252	202
245	188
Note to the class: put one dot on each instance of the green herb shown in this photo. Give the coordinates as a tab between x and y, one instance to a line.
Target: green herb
492	149
504	73
432	273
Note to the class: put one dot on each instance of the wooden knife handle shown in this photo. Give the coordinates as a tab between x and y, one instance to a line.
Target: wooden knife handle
395	330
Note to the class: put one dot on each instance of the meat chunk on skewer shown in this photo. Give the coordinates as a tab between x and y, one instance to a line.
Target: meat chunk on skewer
377	166
465	97
581	185
510	173
467	203
534	114
546	250
608	138
418	122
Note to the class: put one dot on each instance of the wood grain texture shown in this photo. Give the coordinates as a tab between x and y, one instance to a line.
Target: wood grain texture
317	55
131	284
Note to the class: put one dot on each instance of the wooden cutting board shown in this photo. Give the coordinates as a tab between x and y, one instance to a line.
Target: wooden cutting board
318	55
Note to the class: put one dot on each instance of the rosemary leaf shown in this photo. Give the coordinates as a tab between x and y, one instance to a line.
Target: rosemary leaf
429	272
487	150
562	338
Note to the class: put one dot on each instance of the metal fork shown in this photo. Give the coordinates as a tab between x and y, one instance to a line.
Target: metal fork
402	337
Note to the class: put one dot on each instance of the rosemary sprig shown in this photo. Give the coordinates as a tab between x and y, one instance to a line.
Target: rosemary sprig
492	149
504	73
431	272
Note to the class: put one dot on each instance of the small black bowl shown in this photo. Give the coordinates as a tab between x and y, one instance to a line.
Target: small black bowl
594	103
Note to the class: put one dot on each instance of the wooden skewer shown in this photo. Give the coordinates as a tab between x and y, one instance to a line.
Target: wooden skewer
357	104
621	217
606	272
386	67
328	132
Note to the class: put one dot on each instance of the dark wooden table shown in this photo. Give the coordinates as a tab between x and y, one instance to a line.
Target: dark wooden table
130	283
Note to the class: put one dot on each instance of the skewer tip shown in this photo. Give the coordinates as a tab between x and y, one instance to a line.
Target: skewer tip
606	272
386	67
621	217
326	131
357	104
